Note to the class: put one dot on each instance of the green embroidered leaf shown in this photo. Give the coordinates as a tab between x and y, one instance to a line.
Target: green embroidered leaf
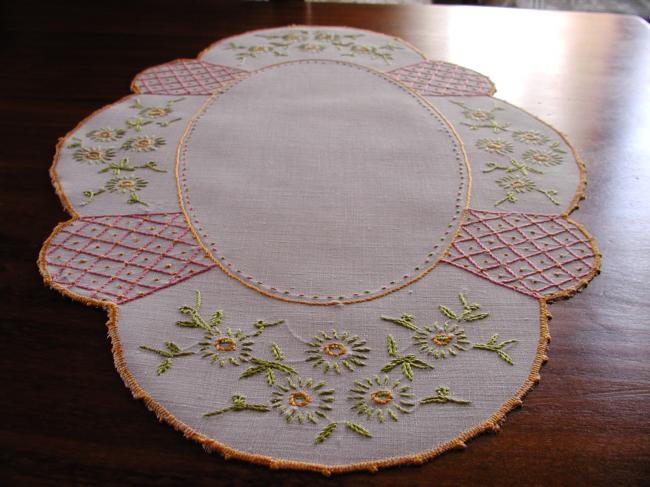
447	312
172	347
505	357
164	366
358	429
277	352
325	433
162	353
392	346
215	320
250	372
477	317
407	370
405	320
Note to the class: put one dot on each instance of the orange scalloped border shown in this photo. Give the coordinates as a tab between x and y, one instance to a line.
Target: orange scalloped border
491	424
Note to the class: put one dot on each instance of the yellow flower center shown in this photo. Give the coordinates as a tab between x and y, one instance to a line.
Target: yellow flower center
94	155
156	112
334	349
143	142
541	157
225	344
126	183
442	339
299	399
381	397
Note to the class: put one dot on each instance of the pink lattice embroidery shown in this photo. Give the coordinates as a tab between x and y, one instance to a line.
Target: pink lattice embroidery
186	77
120	258
535	254
436	78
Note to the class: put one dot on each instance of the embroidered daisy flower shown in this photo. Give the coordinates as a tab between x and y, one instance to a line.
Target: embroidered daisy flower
95	155
230	346
518	184
438	341
331	350
143	143
155	112
542	157
479	115
126	184
106	134
531	137
311	47
495	146
302	400
379	398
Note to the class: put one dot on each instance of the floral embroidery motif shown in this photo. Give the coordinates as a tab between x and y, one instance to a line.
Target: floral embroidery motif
522	184
90	155
438	341
530	137
239	404
492	346
106	134
302	400
103	156
406	363
443	397
550	157
379	398
171	351
143	143
482	118
469	311
219	345
495	146
313	42
268	367
333	350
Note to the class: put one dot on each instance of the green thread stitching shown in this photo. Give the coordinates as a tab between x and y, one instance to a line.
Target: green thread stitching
268	367
325	433
239	404
482	118
437	341
495	146
493	346
406	363
468	314
333	350
143	143
105	134
514	166
173	351
551	157
381	398
302	400
405	321
530	137
279	44
442	397
358	429
522	184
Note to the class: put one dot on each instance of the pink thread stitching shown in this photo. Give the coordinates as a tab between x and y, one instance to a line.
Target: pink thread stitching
481	220
437	78
187	77
196	262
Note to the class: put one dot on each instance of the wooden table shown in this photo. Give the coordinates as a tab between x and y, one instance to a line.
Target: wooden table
67	419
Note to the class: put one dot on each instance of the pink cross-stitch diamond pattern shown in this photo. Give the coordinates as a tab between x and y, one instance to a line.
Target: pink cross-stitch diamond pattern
436	78
186	77
120	258
535	254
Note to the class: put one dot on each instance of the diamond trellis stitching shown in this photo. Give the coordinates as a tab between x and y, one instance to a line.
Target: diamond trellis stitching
120	258
435	78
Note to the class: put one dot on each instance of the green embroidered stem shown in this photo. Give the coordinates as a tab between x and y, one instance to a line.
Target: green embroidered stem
277	352
514	166
406	364
493	346
522	184
468	314
492	124
405	320
194	313
442	397
172	351
261	325
509	197
239	404
264	366
90	195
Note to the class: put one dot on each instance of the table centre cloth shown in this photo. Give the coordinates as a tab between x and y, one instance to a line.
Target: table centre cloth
320	249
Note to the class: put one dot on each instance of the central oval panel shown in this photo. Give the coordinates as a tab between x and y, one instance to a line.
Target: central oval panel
320	180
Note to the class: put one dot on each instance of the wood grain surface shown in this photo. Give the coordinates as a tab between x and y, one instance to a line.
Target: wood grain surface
66	417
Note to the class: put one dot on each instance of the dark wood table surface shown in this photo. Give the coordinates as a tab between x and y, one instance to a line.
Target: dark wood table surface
66	417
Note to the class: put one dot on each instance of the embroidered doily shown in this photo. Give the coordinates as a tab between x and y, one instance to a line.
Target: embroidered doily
319	249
